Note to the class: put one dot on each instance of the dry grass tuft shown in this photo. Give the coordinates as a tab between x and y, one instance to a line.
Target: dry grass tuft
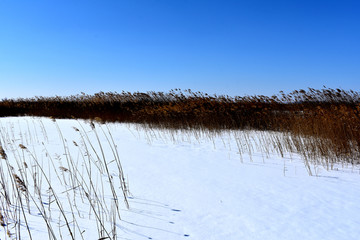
39	186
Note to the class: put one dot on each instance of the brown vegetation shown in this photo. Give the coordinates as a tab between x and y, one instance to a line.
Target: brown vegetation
331	116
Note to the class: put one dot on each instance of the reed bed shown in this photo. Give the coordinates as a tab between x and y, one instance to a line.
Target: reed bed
321	124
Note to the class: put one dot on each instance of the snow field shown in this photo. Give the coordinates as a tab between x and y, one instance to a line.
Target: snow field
182	185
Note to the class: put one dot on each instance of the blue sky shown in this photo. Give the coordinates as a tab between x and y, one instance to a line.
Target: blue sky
53	47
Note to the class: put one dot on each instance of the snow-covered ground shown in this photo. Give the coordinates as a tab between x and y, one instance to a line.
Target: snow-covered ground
182	186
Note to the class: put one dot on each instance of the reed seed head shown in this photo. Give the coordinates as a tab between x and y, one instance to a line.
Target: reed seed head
20	183
22	146
2	153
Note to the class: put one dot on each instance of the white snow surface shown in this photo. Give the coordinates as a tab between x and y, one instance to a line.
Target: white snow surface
186	186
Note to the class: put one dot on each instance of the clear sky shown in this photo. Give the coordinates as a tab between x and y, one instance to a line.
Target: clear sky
62	47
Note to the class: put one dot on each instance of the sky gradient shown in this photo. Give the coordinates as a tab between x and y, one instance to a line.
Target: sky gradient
249	47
